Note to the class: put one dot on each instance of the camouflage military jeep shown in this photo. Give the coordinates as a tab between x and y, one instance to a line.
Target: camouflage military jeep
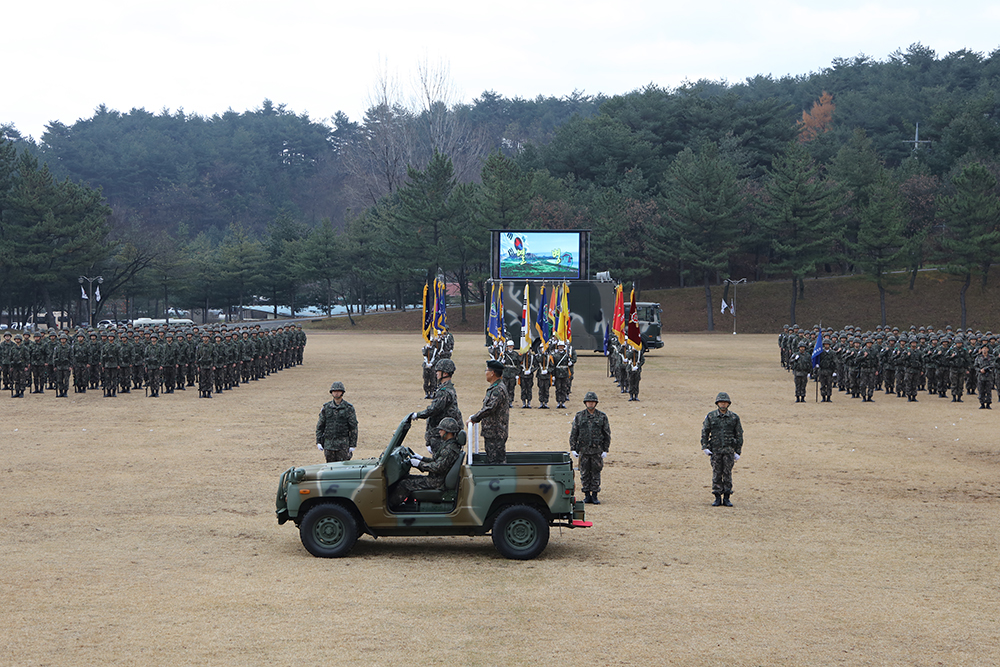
333	503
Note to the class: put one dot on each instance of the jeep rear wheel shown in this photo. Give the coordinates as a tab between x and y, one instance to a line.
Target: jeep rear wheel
520	532
328	530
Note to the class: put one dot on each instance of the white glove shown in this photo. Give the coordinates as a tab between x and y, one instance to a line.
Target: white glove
418	457
430	451
350	450
319	446
736	457
575	455
413	416
834	375
604	455
708	452
414	462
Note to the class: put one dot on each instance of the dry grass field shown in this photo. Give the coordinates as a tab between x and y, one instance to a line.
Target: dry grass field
141	531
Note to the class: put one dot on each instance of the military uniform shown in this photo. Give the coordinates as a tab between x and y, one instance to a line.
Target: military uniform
62	362
983	371
563	367
526	377
437	468
444	404
590	438
801	365
722	438
337	430
494	416
544	373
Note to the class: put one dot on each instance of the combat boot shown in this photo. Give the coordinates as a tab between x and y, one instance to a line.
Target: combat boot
718	500
725	501
586	498
593	498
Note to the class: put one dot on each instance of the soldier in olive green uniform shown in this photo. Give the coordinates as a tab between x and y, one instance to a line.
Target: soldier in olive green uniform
205	358
110	361
20	366
62	362
511	363
722	440
590	440
495	414
437	467
445	404
983	371
337	428
563	367
5	348
801	365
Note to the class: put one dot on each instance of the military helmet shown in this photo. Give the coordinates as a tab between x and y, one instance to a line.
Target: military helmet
723	396
591	396
445	366
337	386
449	425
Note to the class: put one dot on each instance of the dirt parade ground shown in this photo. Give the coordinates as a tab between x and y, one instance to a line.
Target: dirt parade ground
141	531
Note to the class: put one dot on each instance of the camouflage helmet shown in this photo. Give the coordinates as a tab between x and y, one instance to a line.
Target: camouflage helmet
449	425
445	366
591	396
337	386
722	396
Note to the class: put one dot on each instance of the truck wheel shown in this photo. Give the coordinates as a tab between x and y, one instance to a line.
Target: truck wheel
328	530
520	532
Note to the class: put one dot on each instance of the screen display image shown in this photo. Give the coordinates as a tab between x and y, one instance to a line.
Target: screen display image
540	255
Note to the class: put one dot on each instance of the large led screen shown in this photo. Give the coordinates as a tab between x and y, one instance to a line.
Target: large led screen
540	255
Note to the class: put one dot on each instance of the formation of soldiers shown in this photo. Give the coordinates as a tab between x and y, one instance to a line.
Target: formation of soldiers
940	362
163	358
625	366
547	364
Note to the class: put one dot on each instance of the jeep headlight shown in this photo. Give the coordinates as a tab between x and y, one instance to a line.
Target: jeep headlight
298	475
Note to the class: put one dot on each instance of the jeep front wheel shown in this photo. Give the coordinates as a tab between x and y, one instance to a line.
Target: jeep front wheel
520	532
328	530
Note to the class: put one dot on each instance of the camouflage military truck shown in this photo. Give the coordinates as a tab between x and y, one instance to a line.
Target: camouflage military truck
333	503
592	304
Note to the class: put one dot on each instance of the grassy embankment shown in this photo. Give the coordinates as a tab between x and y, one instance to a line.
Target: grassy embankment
763	307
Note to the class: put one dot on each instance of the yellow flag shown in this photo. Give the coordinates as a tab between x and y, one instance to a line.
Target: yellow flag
563	331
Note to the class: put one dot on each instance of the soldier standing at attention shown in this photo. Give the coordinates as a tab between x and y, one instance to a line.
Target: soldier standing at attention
722	440
495	414
826	369
527	377
511	365
62	362
545	364
801	365
563	363
590	439
984	377
337	428
445	404
5	347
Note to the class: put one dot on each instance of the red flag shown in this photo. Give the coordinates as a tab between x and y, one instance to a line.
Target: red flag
618	320
634	337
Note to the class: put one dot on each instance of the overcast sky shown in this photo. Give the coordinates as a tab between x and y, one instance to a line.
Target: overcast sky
62	59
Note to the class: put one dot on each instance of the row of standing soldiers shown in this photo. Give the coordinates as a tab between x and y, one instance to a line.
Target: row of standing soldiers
550	364
121	360
625	366
942	363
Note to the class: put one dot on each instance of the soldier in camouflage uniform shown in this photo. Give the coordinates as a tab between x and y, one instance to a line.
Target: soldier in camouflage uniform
913	360
5	348
437	467
430	353
445	404
867	360
590	440
20	366
959	362
826	368
62	361
80	358
801	365
722	440
495	414
337	428
983	371
111	353
205	358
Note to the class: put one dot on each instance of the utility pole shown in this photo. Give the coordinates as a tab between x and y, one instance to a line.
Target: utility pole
732	305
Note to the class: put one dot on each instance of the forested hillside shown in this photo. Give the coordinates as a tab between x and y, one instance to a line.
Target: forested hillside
787	178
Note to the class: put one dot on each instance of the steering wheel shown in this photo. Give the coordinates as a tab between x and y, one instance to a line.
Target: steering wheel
404	454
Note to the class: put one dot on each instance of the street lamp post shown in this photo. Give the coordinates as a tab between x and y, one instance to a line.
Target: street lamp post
90	295
732	305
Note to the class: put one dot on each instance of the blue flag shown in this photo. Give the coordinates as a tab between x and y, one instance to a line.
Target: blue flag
493	326
817	349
